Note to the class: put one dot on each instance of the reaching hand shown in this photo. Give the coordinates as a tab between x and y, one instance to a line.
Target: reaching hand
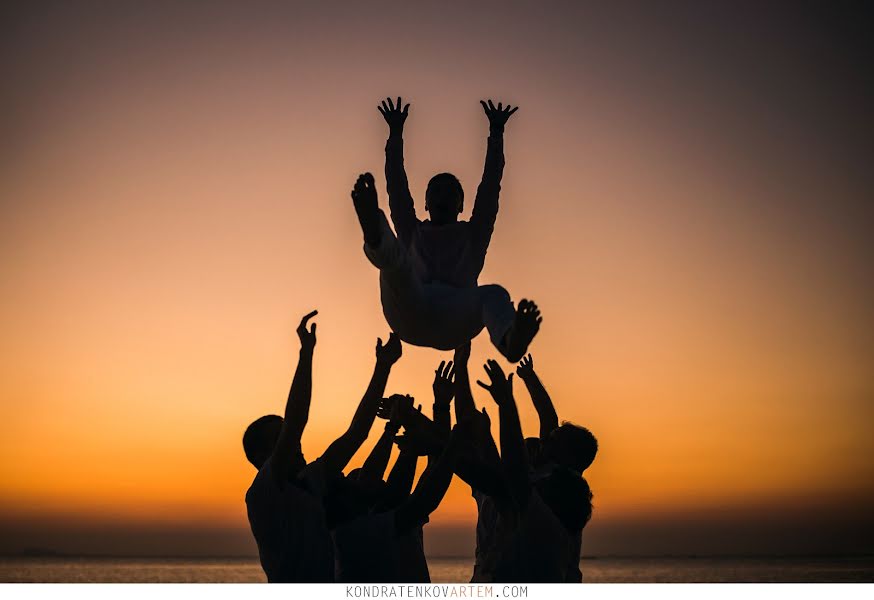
498	116
307	337
444	386
417	445
402	408
396	408
525	369
501	388
391	352
386	407
393	115
394	416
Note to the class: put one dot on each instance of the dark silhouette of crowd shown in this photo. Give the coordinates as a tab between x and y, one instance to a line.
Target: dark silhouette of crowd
314	522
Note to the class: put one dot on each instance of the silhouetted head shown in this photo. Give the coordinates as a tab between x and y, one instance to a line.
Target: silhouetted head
571	446
444	198
260	438
568	496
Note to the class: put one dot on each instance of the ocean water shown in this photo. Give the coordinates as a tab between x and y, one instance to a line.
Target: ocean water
447	570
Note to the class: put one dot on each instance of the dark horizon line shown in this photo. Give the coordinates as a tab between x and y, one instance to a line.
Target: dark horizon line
49	553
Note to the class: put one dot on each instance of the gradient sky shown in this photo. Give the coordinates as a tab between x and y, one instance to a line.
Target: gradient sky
688	196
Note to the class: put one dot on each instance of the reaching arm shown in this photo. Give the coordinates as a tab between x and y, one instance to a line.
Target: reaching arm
485	208
338	454
400	201
443	391
400	480
432	486
376	463
514	458
478	465
374	467
464	404
539	397
423	434
297	408
481	469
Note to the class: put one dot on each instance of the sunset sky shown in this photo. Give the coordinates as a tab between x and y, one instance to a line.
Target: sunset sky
688	196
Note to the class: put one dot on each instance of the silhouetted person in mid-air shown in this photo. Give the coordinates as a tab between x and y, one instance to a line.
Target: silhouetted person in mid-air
285	500
429	269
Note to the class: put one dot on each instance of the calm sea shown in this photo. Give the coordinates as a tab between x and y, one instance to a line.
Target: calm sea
448	570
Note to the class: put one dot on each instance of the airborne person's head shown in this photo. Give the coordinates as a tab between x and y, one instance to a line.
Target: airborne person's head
444	198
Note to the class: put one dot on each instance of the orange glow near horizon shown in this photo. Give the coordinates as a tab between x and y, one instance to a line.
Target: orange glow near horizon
166	222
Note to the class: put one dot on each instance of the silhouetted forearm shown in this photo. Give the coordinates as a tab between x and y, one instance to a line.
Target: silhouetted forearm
442	419
485	208
464	404
400	201
338	454
542	404
400	479
430	491
421	426
514	457
365	414
377	461
297	408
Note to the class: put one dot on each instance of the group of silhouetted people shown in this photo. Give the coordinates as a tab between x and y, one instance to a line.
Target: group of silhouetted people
313	523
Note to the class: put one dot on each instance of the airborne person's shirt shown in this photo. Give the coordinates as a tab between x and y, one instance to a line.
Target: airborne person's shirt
452	254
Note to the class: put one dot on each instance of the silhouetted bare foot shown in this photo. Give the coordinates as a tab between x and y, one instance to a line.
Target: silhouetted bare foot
525	327
367	207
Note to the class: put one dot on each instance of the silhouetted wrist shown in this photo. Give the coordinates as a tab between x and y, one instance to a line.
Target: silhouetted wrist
496	130
384	363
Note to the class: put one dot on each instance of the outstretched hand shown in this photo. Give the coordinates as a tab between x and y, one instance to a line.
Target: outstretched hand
385	407
395	408
501	387
417	445
499	115
525	368
393	115
307	336
444	385
389	353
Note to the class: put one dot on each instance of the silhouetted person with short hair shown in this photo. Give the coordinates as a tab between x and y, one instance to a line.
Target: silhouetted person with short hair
285	501
429	269
558	458
536	546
